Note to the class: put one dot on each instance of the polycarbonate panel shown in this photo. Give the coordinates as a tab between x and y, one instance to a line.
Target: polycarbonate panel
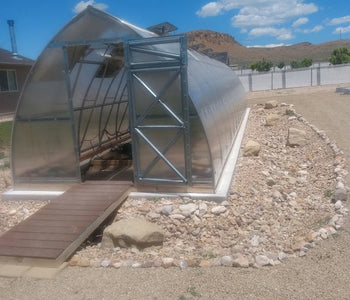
43	151
45	138
219	99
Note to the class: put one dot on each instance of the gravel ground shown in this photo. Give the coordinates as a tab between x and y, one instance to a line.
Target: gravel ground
322	274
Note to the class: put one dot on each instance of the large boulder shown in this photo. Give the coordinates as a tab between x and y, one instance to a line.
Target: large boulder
296	137
135	232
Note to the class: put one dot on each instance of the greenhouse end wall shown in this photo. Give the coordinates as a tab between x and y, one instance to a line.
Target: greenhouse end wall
76	101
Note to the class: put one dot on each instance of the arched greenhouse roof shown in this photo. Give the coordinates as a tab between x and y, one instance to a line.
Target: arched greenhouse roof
102	82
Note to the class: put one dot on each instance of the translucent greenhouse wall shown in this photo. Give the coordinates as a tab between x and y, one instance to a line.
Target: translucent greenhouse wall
76	102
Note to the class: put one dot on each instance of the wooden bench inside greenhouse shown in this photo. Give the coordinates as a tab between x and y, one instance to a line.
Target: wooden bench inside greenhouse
55	231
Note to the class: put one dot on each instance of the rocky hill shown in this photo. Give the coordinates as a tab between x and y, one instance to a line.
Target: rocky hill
211	42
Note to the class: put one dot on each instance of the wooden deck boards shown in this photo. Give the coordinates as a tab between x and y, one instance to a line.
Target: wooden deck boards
57	230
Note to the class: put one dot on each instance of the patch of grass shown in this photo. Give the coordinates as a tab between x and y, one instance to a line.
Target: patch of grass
5	133
209	255
192	291
328	193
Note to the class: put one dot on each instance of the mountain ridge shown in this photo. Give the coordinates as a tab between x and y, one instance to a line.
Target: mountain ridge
210	42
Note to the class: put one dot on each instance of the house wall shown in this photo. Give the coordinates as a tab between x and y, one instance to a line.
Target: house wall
9	100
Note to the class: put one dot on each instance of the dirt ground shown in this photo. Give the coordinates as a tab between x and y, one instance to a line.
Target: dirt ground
323	274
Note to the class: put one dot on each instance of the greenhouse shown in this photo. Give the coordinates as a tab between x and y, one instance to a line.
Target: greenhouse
106	89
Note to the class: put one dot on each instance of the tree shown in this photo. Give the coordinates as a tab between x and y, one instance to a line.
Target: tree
261	65
340	56
281	65
305	63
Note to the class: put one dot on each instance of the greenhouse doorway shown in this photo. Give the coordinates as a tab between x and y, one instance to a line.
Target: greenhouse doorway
133	120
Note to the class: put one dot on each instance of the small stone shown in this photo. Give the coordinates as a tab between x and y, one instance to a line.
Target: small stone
262	260
282	256
203	208
205	264
190	207
298	245
105	263
12	212
255	241
136	265
226	261
117	265
251	148
84	262
183	265
178	217
338	205
167	210
74	260
240	261
225	203
218	210
296	137
271	104
271	119
340	194
167	262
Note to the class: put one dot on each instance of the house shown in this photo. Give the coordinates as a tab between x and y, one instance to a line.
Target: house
13	72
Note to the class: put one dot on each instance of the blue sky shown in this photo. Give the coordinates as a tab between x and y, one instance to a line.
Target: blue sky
250	22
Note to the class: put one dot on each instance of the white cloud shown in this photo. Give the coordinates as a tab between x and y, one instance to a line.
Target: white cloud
268	46
317	28
341	20
259	13
84	4
300	22
281	34
209	10
340	30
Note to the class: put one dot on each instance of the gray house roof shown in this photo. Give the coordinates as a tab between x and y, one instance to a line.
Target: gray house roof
6	58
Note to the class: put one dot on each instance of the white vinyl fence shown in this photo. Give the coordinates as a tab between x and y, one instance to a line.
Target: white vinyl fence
283	79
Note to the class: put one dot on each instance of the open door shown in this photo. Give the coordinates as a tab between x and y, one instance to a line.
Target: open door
159	109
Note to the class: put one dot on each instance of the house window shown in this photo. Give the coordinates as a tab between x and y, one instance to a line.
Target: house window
8	81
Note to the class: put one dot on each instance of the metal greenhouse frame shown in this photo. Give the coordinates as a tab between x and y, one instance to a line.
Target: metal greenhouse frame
102	82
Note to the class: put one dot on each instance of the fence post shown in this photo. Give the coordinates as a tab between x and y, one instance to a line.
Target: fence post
250	82
283	79
319	74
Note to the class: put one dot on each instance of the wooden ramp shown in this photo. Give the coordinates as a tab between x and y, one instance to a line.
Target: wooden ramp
54	232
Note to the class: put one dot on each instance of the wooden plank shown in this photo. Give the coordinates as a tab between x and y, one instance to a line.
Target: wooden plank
40	229
68	237
67	212
11	242
31	252
57	230
75	244
58	223
62	217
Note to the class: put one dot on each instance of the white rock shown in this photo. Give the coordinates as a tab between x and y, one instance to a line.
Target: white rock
105	263
255	241
190	207
167	210
218	210
177	216
227	261
262	260
167	262
117	265
12	212
338	205
203	208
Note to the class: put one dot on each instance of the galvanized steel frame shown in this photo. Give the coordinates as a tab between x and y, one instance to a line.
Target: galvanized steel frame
121	90
174	62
